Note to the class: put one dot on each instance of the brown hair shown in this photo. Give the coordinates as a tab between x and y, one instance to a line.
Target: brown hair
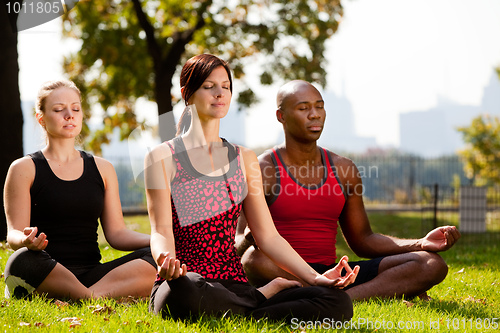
195	71
48	87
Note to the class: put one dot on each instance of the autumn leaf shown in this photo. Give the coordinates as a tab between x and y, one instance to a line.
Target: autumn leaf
101	309
73	321
408	304
476	300
140	322
60	303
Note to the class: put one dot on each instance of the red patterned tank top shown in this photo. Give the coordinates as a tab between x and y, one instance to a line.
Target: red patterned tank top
205	211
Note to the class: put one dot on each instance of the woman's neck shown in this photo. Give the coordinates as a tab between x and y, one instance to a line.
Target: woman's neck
203	133
61	150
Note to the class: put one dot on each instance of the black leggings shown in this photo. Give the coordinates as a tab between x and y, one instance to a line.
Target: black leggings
193	295
26	269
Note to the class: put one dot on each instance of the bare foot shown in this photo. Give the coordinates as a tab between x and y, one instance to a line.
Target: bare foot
277	285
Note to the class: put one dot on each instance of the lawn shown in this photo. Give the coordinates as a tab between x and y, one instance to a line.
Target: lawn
467	300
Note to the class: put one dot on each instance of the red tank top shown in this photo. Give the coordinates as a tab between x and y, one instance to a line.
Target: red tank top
205	211
307	216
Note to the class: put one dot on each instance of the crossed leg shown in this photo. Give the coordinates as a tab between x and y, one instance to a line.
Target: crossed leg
408	274
134	278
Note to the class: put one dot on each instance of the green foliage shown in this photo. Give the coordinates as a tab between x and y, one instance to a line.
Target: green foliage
482	154
132	49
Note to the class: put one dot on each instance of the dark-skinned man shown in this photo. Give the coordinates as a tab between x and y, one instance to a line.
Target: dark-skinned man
311	191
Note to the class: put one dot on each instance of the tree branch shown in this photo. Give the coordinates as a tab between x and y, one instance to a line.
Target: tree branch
153	47
181	39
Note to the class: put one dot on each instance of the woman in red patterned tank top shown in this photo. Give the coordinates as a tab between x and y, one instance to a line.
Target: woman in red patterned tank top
197	185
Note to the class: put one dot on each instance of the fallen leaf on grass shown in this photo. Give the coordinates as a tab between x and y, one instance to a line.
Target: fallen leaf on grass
130	300
60	303
73	321
140	322
29	324
101	309
476	300
408	304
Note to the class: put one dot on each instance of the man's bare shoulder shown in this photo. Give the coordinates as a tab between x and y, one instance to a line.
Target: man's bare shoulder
340	161
345	167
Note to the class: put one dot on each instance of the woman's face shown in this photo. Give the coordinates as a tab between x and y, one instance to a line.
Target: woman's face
63	114
213	98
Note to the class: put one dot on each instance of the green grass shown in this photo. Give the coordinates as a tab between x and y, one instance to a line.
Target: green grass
464	301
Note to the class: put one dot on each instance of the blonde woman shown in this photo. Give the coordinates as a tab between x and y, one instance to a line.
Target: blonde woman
53	200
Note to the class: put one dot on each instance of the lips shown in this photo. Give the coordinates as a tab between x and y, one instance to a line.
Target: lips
315	127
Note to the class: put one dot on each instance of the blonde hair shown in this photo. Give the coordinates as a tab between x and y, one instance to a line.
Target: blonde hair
48	87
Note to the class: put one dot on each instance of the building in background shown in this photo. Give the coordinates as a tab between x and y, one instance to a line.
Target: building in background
339	133
433	132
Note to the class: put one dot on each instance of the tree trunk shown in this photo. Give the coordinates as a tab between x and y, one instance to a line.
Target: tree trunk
11	126
164	72
166	122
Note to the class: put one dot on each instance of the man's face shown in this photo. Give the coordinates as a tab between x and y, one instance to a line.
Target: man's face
303	113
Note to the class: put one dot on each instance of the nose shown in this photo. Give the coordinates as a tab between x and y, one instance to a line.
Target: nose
219	92
68	114
315	113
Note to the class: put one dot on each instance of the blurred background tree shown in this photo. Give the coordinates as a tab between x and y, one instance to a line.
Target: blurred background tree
482	154
132	49
11	126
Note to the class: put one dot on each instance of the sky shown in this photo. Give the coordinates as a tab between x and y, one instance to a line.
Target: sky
388	57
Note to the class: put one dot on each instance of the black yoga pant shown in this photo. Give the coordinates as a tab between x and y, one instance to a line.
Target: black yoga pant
26	269
193	295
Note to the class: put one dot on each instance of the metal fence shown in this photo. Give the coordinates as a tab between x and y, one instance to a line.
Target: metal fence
475	210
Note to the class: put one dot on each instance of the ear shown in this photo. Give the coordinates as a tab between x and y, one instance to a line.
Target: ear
280	116
39	118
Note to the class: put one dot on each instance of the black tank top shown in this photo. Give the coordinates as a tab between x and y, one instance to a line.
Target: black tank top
67	211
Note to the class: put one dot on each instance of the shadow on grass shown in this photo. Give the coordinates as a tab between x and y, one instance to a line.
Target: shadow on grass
461	309
470	308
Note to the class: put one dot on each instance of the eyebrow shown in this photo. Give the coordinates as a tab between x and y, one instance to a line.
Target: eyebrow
227	81
307	102
62	103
